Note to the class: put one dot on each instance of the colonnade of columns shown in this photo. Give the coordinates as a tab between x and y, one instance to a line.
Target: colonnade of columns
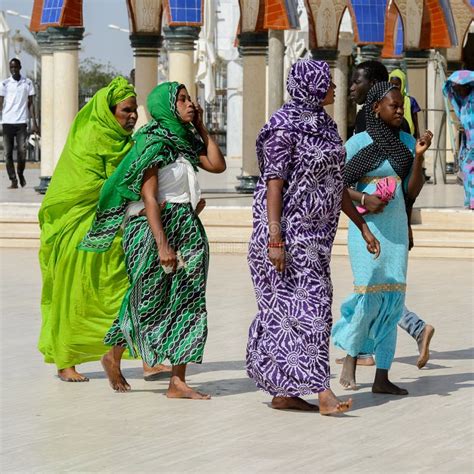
60	88
251	100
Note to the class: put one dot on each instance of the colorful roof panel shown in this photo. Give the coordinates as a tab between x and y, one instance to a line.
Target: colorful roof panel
370	18
185	12
52	10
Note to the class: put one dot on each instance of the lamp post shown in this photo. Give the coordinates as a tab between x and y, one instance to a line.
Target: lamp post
14	13
116	27
17	40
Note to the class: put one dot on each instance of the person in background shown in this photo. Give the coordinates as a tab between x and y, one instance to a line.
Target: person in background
366	75
459	89
410	106
17	106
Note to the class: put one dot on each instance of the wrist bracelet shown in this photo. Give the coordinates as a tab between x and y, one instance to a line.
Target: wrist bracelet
362	199
276	245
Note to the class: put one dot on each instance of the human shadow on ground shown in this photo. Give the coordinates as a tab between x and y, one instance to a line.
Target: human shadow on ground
136	373
215	388
442	385
460	354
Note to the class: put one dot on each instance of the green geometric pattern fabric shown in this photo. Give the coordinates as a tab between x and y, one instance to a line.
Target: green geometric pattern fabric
163	316
157	144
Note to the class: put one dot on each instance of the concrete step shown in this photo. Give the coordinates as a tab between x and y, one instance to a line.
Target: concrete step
437	232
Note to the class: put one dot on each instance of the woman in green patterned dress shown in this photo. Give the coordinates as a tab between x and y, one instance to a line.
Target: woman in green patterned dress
154	194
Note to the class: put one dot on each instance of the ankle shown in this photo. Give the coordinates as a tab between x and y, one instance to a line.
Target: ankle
381	376
325	395
176	380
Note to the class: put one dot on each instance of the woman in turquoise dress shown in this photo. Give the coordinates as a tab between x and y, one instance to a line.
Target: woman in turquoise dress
370	314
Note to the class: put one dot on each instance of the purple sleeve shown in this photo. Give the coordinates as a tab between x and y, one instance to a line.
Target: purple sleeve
277	155
415	108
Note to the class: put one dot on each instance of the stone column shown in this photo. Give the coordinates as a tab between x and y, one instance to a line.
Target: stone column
417	62
276	57
65	83
146	51
435	103
331	57
369	52
47	111
181	43
234	109
341	79
253	49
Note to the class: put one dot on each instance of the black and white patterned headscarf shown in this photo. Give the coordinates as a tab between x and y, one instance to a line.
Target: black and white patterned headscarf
386	143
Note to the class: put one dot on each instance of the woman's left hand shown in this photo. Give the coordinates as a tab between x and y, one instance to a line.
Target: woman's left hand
373	245
423	143
198	117
200	206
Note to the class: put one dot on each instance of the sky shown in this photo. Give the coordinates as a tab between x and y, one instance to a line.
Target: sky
103	43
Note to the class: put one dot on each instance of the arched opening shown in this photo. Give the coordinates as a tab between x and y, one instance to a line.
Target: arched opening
434	29
394	32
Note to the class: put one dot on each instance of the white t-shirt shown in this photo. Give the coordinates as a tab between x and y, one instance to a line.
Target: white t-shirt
15	102
177	183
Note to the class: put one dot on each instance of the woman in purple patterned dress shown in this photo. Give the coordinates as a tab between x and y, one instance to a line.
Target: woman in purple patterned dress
296	209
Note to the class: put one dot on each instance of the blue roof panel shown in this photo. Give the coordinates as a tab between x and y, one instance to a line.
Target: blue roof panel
370	17
185	11
52	11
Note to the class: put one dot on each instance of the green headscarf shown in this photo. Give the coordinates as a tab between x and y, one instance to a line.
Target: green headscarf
157	144
95	145
399	74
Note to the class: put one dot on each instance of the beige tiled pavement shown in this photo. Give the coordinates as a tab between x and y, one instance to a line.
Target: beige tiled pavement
49	426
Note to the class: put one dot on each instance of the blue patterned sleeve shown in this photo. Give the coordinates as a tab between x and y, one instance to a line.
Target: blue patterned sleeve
277	154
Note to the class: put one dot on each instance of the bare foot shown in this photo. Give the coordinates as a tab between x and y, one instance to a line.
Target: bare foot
329	404
116	379
365	361
152	373
424	346
348	374
180	389
388	387
292	403
69	374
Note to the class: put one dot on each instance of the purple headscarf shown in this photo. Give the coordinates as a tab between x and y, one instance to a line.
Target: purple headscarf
308	84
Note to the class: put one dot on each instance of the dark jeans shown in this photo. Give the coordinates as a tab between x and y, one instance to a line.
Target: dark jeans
12	131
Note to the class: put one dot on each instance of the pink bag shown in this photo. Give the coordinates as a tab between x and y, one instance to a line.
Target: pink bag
385	190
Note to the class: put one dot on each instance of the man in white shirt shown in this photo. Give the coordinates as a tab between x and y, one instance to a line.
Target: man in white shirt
16	105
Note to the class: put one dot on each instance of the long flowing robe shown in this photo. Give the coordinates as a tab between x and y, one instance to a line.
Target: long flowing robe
162	316
288	345
82	292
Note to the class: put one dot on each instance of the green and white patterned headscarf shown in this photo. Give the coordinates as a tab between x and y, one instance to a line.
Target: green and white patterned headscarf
157	144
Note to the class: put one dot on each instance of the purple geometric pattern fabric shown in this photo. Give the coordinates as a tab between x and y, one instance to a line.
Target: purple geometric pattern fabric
288	347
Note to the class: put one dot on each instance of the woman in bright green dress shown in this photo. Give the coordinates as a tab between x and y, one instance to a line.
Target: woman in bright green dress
82	291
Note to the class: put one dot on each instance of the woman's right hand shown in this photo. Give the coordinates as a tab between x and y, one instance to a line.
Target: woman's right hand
374	204
277	257
167	257
373	245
